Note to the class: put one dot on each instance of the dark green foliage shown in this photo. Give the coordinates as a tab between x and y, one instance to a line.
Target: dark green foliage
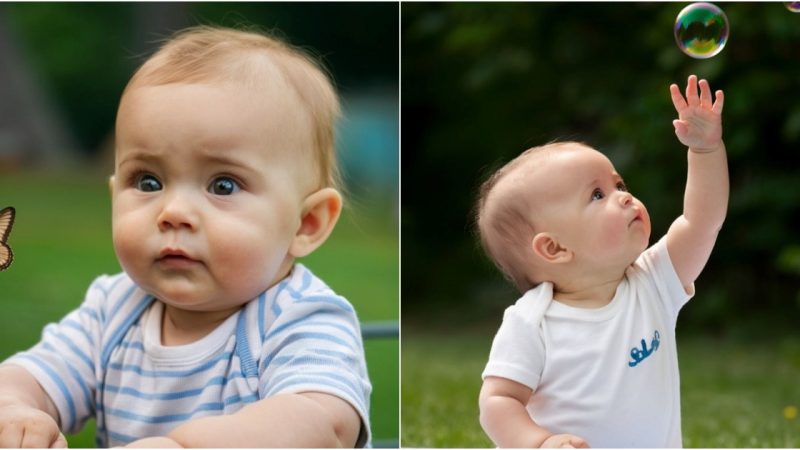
86	52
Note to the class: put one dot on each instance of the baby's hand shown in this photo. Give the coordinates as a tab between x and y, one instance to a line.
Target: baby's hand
699	123
26	427
564	441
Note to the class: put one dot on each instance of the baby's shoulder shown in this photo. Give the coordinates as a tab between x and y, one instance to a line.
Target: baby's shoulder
532	306
303	285
299	308
301	295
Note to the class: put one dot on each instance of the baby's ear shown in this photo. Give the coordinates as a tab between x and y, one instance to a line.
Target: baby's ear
547	247
318	217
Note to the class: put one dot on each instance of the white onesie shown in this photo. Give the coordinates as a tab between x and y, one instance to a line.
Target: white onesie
608	375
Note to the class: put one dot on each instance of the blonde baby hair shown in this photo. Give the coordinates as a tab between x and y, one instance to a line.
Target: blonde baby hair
206	53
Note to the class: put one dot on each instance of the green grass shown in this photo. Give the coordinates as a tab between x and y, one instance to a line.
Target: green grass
62	241
733	393
440	383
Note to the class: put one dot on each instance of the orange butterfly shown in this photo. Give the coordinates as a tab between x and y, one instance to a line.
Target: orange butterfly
6	222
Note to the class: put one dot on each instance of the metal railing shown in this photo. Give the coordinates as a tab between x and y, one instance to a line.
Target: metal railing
386	329
382	330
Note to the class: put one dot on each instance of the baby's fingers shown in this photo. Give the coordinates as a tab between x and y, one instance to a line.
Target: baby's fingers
720	100
60	442
677	98
43	438
691	91
705	94
35	440
11	436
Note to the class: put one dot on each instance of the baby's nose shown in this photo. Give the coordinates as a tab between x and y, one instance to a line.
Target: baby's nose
177	212
626	199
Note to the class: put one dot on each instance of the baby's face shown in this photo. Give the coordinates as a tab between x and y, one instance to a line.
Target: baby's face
207	192
590	210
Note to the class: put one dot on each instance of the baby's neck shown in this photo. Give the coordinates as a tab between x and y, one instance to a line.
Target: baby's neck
181	327
593	294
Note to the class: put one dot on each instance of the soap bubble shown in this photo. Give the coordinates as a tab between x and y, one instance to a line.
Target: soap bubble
792	6
701	30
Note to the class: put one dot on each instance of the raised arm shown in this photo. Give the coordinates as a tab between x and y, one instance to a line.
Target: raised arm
305	420
691	237
506	421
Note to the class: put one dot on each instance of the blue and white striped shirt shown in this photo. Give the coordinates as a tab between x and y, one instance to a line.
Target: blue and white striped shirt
105	359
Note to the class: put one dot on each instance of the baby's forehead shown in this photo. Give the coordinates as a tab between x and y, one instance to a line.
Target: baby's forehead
220	105
553	174
556	163
211	118
261	81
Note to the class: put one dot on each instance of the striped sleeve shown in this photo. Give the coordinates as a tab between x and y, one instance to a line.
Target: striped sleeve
314	344
63	362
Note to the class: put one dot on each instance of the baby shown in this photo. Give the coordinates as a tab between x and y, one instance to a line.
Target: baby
213	336
587	356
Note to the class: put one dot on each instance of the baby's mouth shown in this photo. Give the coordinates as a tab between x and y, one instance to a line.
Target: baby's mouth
176	259
637	218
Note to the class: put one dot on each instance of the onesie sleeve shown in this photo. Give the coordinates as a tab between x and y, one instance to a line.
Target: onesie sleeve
518	351
65	359
655	265
314	344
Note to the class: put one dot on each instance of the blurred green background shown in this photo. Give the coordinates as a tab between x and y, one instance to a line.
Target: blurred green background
481	83
62	69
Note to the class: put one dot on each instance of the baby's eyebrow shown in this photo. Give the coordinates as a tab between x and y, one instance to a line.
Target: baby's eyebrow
139	156
596	181
224	160
592	184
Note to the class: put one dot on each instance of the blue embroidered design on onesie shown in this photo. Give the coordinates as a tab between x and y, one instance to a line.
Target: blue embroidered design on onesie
639	354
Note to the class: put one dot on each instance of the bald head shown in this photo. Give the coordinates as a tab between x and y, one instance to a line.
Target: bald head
510	204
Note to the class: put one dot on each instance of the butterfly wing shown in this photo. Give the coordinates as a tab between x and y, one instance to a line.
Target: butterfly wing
6	222
5	256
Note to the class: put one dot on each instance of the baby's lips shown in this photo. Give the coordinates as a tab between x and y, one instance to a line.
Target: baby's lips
637	216
172	251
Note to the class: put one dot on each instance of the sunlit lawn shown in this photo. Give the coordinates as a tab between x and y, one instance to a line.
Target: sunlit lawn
734	394
62	241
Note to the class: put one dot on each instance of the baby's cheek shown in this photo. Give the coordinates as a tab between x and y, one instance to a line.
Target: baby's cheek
613	233
128	244
246	263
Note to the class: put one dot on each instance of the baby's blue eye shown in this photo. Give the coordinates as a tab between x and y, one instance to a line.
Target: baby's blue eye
621	186
597	194
148	183
223	186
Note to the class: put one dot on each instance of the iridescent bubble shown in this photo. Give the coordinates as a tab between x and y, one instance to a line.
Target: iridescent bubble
701	30
792	6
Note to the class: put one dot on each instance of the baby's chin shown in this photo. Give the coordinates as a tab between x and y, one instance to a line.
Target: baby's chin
196	304
187	294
